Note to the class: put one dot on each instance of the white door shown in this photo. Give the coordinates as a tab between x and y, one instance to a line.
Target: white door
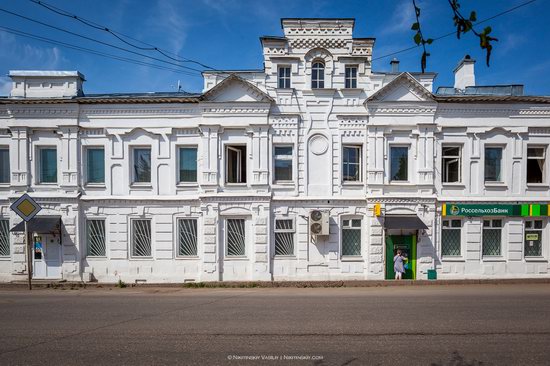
46	256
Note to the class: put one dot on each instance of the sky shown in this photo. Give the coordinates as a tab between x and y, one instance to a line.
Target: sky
224	34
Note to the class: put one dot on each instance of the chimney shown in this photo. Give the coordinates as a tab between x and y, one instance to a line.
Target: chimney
394	65
46	84
464	73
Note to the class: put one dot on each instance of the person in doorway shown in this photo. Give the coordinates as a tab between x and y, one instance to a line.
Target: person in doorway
398	265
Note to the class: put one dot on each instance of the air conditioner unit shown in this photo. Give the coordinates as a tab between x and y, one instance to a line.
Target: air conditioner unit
318	222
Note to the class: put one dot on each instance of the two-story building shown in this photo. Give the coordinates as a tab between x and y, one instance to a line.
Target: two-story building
315	167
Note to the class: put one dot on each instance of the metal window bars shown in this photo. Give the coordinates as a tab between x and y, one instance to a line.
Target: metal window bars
284	237
4	237
96	238
351	241
187	234
235	237
141	238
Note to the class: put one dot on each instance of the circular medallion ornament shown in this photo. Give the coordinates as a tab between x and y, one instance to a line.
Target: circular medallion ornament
318	144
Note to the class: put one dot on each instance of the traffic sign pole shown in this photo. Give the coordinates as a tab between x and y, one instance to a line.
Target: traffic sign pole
29	254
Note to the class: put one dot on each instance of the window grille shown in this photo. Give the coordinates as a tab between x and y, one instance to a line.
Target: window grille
533	238
283	163
141	238
351	163
4	238
351	77
96	238
451	161
235	237
284	237
493	164
351	237
4	165
492	237
450	237
187	234
284	77
536	161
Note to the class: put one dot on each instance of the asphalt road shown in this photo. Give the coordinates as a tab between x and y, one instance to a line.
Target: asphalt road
435	325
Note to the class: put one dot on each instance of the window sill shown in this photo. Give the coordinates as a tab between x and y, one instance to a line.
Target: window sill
236	258
495	184
538	185
401	183
493	259
453	259
284	257
4	185
102	258
453	185
235	184
284	183
141	186
349	183
7	258
141	258
95	185
352	258
188	257
536	259
187	185
40	184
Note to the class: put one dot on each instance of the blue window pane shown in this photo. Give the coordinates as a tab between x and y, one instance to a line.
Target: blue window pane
4	166
188	164
142	165
48	166
493	158
96	166
399	163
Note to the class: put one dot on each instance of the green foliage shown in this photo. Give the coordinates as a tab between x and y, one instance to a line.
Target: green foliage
120	284
463	25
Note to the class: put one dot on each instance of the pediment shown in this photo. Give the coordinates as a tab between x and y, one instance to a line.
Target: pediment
404	88
236	89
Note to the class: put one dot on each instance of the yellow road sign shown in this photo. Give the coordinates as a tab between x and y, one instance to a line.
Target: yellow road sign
26	207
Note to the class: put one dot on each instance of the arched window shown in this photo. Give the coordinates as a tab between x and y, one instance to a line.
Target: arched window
318	75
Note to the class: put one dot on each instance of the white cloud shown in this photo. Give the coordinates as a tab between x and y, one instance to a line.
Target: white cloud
29	56
400	21
172	25
5	86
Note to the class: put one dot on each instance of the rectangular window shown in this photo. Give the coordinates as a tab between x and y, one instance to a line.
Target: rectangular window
450	238
351	77
142	165
96	165
351	237
451	164
188	164
141	238
187	237
95	238
283	163
4	165
351	163
4	238
284	237
235	164
318	75
284	77
235	237
533	238
399	169
536	158
492	237
493	164
48	165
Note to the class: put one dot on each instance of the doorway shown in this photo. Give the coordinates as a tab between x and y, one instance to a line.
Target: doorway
46	256
407	244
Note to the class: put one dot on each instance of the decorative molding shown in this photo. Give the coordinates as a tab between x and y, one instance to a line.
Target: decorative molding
403	110
92	132
186	131
30	112
236	110
139	111
308	43
276	51
318	31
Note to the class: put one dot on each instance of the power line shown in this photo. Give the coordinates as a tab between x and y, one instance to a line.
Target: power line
117	34
454	32
95	52
95	40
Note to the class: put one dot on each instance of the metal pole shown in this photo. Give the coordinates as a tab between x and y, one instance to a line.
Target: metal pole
29	255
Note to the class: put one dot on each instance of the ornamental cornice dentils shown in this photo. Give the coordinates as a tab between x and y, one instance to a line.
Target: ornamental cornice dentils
134	112
406	110
235	110
319	31
44	111
307	43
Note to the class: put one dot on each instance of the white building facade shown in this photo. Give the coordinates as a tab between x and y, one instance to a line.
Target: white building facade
315	167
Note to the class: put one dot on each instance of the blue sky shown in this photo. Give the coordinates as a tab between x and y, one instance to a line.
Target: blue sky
224	35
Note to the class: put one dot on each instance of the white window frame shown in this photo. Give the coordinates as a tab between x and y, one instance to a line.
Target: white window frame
408	147
87	164
283	157
39	164
286	78
320	76
545	170
460	255
292	231
177	239
502	165
350	226
178	167
543	244
502	237
457	157
239	164
351	79
132	167
131	234
359	163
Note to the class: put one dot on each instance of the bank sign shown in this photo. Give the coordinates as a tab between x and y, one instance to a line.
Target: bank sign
456	209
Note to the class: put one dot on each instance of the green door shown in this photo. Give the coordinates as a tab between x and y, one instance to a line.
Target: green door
407	244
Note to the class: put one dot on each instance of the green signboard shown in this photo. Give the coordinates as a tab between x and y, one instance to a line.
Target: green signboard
457	209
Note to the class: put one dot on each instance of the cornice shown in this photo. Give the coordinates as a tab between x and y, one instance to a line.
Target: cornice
139	111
